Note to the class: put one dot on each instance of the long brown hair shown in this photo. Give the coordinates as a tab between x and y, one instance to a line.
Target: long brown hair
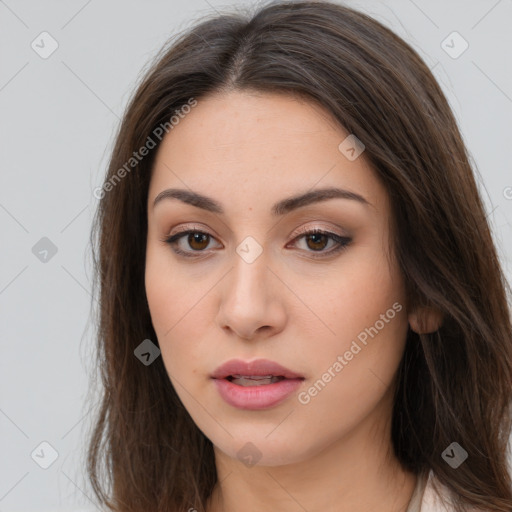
454	385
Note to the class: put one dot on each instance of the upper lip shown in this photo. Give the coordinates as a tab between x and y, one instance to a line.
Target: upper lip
258	367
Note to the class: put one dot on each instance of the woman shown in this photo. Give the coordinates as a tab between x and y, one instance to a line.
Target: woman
301	306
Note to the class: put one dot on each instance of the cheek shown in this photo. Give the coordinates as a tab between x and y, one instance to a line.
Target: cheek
353	296
363	321
160	293
177	313
167	288
165	298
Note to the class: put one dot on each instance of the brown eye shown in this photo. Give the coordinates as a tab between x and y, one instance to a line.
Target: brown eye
318	241
196	240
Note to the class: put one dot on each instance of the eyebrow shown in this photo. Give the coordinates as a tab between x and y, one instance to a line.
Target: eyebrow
280	208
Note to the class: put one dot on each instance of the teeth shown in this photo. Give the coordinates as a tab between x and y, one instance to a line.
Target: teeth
253	377
254	380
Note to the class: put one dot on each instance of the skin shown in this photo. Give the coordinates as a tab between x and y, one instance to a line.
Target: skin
248	151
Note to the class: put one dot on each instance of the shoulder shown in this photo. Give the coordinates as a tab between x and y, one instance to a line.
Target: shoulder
438	498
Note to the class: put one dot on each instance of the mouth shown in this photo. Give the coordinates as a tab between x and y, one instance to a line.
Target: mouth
254	373
254	380
255	385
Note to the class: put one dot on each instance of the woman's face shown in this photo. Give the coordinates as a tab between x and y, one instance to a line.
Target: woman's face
251	285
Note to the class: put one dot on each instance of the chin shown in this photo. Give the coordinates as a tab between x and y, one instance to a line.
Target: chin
258	449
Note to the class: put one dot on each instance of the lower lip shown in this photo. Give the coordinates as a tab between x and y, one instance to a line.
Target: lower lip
256	397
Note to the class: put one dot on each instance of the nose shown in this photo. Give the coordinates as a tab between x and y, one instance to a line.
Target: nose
251	303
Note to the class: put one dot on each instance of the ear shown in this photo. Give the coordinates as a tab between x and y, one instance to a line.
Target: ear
425	319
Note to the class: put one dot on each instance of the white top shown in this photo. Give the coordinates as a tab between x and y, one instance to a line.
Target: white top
426	499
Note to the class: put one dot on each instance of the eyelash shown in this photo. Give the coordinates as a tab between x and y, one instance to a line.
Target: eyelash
342	241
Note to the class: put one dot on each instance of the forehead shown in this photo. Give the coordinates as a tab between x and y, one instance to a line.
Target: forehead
260	147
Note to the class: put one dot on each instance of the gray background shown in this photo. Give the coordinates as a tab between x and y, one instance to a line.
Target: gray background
58	117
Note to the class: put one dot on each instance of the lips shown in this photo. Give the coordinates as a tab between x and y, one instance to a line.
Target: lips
255	385
257	369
